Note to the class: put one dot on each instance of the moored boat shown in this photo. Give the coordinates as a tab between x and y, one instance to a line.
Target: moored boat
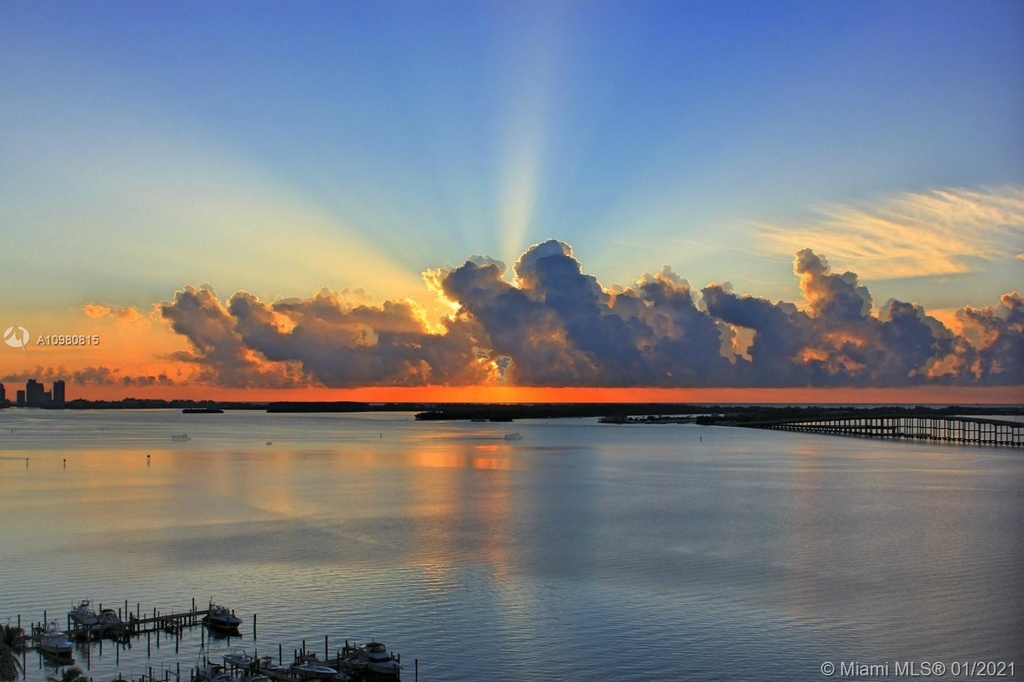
514	436
240	658
84	616
310	666
112	626
268	665
221	618
55	642
379	662
213	673
109	619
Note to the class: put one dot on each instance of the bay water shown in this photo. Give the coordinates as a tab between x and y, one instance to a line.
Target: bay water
583	551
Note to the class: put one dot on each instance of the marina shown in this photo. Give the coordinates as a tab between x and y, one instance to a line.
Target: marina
350	663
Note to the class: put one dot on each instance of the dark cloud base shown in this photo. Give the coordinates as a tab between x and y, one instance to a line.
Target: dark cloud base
556	326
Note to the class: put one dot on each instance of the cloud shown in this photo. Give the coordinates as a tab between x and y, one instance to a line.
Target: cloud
941	232
40	373
218	348
326	339
560	327
88	376
129	315
104	376
994	340
554	325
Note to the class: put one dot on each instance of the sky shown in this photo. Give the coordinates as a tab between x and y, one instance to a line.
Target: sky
514	200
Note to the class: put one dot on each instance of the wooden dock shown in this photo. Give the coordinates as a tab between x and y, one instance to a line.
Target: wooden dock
134	624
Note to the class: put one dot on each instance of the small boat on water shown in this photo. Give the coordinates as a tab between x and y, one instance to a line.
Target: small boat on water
514	436
55	642
309	666
83	614
356	659
109	619
180	437
213	673
112	626
268	665
379	662
240	658
84	619
221	618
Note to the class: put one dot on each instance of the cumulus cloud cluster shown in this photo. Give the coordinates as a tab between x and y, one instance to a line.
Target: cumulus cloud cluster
88	376
551	324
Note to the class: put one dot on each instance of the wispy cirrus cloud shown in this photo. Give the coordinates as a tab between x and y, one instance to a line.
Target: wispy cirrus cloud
942	232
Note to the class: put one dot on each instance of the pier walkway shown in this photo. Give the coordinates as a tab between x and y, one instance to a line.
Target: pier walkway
949	429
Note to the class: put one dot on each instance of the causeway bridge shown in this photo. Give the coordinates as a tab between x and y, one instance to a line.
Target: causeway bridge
949	429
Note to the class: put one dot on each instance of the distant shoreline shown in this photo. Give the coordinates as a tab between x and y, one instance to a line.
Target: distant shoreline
618	412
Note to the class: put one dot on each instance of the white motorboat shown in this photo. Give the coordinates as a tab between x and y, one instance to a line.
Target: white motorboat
84	616
268	665
220	618
213	673
310	666
379	662
54	641
356	658
240	658
514	436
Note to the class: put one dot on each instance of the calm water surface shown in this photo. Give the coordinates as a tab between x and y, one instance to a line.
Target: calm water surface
582	552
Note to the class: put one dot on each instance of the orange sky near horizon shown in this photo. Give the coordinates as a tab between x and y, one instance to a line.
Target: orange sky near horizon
1001	395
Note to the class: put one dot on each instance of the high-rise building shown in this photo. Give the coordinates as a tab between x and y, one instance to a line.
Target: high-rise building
21	398
34	394
58	392
3	395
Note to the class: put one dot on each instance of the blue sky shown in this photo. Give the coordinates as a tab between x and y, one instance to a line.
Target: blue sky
285	147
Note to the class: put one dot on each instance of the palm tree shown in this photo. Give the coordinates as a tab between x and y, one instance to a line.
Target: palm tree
10	664
12	640
72	674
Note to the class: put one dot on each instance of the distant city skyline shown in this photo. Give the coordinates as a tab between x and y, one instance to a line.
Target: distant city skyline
35	394
462	201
